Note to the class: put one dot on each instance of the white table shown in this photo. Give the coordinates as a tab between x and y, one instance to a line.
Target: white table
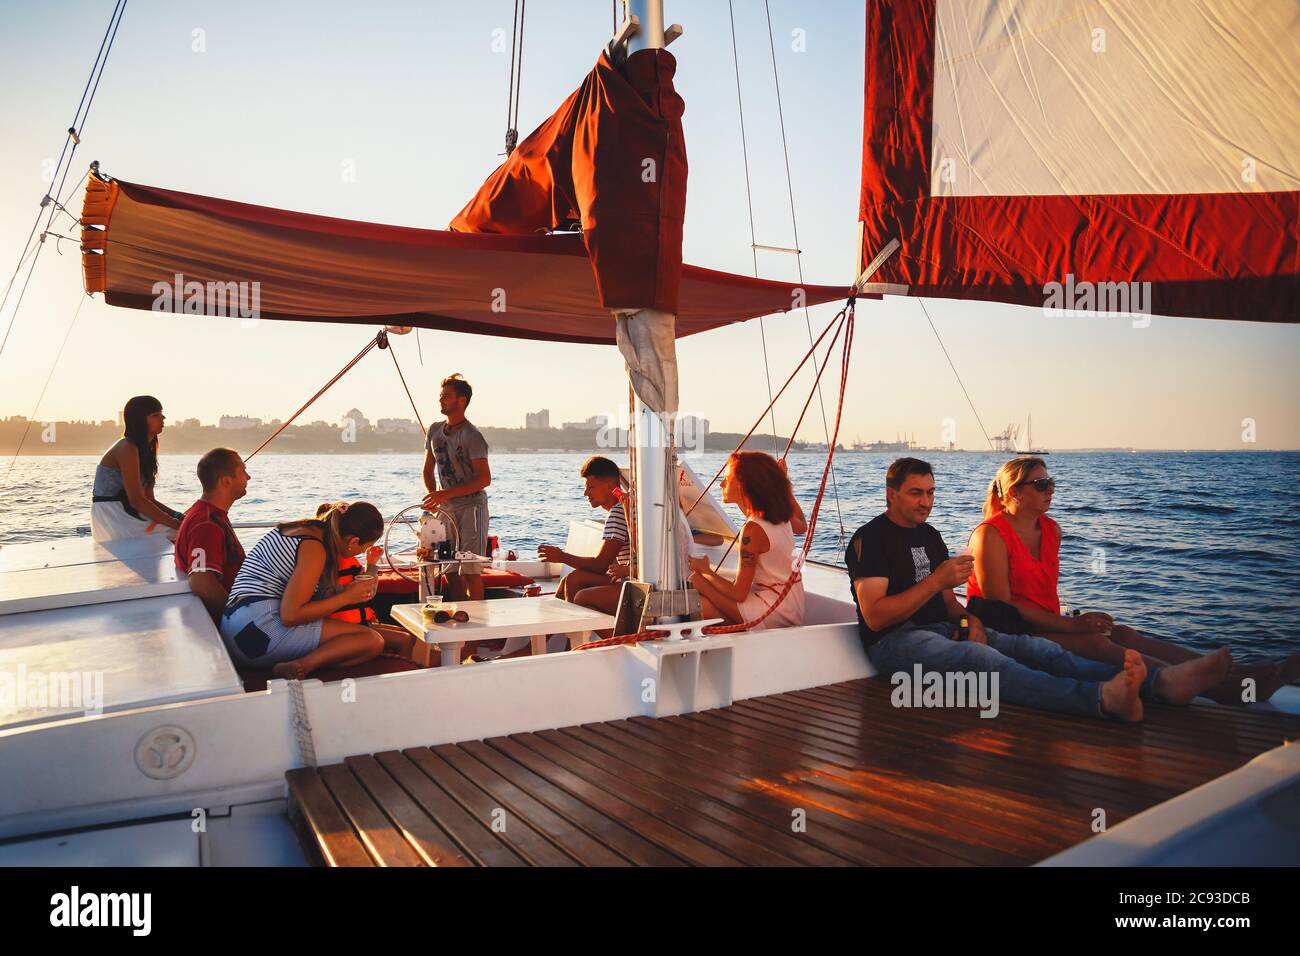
531	617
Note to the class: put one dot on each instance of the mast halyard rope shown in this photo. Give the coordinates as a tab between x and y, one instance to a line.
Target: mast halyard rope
749	199
516	75
74	137
952	366
48	378
798	255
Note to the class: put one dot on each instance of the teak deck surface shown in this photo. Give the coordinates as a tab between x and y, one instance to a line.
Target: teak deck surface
829	776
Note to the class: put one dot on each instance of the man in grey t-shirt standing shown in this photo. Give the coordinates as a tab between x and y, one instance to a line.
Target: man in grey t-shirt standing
455	453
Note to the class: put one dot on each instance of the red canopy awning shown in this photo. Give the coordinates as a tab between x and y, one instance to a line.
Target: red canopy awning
137	240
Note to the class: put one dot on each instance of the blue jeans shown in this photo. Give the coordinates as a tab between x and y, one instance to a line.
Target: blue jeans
1032	671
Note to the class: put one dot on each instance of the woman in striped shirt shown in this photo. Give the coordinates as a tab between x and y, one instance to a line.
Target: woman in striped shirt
278	611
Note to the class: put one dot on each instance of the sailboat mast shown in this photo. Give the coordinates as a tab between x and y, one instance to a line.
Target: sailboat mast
655	474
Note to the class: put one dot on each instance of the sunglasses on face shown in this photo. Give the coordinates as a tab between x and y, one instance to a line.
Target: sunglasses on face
1040	484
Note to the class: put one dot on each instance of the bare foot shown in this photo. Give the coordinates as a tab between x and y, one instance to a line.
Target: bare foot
289	670
1119	695
1179	683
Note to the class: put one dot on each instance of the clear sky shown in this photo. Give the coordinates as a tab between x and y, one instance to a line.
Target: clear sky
414	97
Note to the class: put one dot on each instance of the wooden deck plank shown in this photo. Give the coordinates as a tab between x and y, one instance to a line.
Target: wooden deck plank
896	825
753	844
475	839
777	824
1013	776
675	841
601	826
877	784
331	834
1025	757
419	829
510	828
518	803
383	841
736	771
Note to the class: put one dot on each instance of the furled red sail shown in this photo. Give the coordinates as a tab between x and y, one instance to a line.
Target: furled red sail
148	248
1062	153
613	159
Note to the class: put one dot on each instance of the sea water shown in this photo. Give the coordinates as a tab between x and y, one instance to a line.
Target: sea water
1202	548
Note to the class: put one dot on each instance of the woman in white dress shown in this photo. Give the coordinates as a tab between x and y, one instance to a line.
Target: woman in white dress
122	502
758	485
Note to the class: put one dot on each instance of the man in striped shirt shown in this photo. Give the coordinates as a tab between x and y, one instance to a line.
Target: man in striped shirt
590	583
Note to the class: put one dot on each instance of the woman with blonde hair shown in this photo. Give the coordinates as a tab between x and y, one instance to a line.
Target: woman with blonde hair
1016	563
757	483
278	611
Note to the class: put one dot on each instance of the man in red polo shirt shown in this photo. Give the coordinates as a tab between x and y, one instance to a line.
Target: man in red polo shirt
207	549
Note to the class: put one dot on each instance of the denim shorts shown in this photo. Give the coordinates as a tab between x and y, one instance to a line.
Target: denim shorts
256	637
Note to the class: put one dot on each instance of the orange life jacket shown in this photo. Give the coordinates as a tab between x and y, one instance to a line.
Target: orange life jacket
350	567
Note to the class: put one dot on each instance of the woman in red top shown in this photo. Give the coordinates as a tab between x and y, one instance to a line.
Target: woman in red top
1016	561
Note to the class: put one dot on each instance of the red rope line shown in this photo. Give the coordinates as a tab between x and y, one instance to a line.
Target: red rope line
418	420
847	313
324	388
840	315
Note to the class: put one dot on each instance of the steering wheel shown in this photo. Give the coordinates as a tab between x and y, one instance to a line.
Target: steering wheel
402	539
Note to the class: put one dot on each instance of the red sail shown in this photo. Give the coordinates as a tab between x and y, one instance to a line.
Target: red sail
1027	153
613	159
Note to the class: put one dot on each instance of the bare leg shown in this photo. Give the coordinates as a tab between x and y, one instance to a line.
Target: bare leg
341	645
1093	647
713	603
603	598
1179	683
1162	651
474	587
396	640
576	581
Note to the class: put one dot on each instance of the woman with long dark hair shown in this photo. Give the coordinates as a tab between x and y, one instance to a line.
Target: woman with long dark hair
757	483
123	503
1015	549
278	611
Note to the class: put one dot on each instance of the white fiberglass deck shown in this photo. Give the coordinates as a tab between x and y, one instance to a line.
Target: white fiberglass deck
119	655
78	572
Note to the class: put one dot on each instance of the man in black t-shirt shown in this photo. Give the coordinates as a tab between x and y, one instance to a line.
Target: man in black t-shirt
902	579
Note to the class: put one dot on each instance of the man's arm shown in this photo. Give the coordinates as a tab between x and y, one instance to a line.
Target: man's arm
882	611
430	467
596	565
208	587
482	478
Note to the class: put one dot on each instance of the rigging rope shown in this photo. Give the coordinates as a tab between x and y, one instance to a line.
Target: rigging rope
418	420
32	418
74	136
323	389
749	199
798	254
833	322
921	302
516	75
